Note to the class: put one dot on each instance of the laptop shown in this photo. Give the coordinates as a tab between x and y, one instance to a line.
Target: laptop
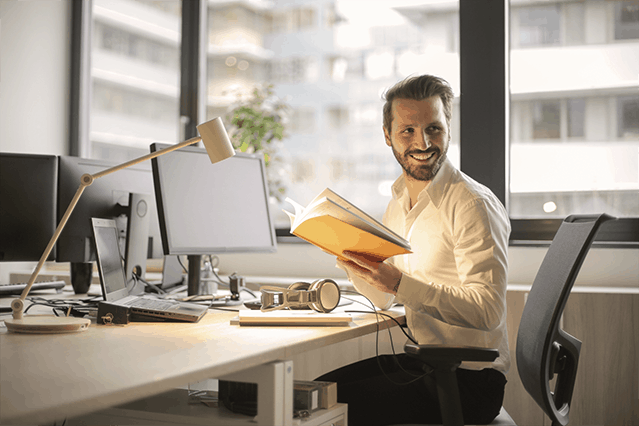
113	282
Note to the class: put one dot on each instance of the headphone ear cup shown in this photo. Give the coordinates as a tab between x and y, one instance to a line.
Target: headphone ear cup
328	295
299	286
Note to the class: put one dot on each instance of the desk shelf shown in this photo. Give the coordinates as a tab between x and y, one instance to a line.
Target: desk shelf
173	408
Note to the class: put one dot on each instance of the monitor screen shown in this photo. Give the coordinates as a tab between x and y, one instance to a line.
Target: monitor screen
106	198
28	191
206	208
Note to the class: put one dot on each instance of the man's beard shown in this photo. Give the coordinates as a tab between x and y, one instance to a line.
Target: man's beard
423	172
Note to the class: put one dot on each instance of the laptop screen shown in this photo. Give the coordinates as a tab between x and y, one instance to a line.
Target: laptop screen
109	259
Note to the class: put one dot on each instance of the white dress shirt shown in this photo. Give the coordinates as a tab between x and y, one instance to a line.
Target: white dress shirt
454	283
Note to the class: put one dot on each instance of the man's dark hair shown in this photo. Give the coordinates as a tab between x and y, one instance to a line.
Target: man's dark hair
418	88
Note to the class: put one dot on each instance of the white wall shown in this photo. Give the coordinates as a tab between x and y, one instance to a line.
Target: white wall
34	82
34	76
34	98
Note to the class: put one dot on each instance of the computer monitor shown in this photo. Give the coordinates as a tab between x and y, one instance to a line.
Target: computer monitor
126	196
28	193
206	208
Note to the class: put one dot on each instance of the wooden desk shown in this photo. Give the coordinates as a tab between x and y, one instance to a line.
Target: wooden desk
44	378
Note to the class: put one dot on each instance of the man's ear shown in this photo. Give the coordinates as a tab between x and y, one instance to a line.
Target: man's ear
387	136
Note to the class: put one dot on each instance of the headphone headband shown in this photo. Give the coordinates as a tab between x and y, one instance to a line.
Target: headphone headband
322	295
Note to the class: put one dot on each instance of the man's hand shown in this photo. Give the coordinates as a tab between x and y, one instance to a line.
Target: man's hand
381	275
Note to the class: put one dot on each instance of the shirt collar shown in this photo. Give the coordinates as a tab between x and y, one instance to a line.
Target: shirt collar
435	190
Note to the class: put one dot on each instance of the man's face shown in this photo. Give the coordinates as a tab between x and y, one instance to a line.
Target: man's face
419	136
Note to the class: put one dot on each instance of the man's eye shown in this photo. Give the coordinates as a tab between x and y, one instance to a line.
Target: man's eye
434	129
409	130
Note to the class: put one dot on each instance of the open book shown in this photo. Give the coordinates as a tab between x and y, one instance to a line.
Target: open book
335	225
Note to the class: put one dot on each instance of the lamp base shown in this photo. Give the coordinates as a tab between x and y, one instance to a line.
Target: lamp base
47	324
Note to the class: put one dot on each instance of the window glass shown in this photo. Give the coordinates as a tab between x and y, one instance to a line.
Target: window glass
627	20
135	77
574	109
539	26
628	112
546	119
576	112
329	61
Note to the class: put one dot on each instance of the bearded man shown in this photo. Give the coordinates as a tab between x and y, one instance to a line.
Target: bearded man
453	284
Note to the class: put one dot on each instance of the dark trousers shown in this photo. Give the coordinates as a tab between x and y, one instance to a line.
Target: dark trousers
389	389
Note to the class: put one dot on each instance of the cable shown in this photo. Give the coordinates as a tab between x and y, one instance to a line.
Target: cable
215	261
214	267
377	314
249	292
408	336
184	268
64	306
222	308
157	289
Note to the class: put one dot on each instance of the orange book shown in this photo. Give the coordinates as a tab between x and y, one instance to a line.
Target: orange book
333	224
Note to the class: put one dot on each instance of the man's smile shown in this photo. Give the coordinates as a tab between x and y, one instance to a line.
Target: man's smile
423	156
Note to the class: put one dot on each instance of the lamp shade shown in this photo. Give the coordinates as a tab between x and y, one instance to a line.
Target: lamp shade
216	140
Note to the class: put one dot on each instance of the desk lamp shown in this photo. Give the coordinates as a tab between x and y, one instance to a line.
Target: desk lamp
216	141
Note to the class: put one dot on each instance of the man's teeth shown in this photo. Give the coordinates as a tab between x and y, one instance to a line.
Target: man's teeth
422	157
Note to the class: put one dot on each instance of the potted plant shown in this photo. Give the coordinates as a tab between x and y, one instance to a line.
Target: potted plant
257	123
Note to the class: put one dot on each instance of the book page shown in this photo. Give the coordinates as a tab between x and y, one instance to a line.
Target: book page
329	203
330	194
328	207
299	212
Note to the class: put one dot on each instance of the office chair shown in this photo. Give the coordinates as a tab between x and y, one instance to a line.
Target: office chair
543	349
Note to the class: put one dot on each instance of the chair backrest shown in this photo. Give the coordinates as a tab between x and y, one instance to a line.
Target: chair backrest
543	349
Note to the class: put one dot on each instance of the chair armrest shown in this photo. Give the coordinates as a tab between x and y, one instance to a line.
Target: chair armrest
438	353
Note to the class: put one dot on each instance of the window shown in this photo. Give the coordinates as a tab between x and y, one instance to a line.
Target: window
576	112
598	170
573	134
135	60
626	20
539	26
559	119
293	70
295	19
546	120
333	62
628	113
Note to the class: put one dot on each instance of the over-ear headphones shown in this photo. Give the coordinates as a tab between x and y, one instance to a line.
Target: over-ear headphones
321	295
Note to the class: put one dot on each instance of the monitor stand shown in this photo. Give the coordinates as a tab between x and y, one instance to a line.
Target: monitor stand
193	286
137	241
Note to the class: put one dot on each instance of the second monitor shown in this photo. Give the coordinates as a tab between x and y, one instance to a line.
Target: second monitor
206	208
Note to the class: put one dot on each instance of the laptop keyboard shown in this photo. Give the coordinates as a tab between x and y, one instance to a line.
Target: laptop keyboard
150	304
9	289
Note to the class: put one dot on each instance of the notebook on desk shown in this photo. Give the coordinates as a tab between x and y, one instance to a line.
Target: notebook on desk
291	318
113	281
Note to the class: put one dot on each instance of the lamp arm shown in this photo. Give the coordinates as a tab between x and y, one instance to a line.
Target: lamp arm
148	157
17	305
